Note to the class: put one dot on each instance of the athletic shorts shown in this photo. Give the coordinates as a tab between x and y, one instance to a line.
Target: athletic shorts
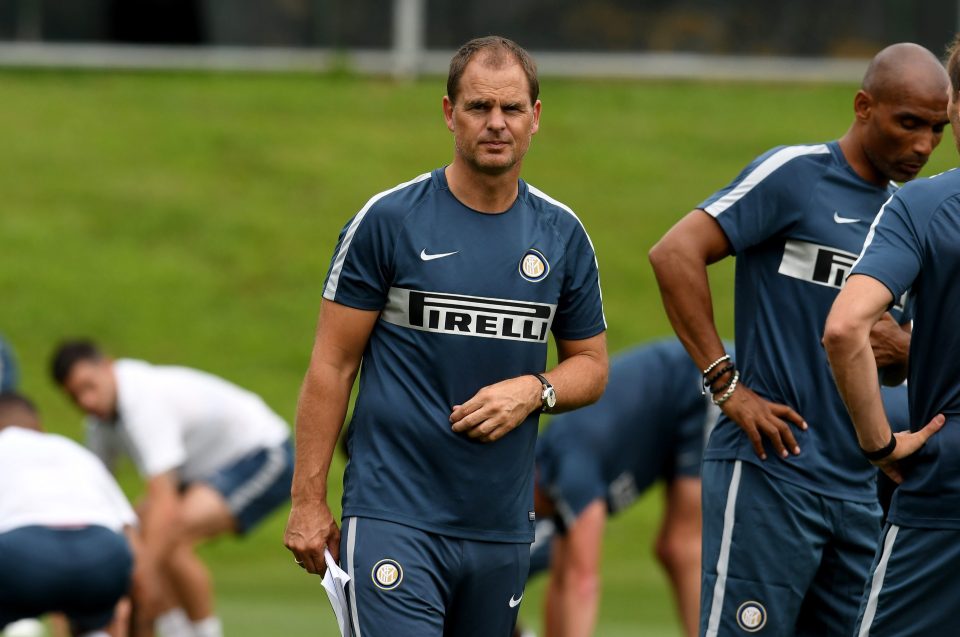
778	558
81	572
256	484
405	581
912	590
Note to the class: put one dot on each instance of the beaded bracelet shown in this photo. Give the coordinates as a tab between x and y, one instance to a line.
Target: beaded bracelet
727	394
713	365
708	382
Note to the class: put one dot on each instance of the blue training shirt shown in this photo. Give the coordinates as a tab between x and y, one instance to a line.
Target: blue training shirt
467	299
796	219
915	244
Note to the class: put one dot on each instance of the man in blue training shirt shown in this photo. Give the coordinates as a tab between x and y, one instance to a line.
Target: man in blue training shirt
796	218
447	287
914	245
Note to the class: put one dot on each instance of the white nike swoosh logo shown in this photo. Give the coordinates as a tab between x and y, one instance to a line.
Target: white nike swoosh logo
839	219
431	257
515	602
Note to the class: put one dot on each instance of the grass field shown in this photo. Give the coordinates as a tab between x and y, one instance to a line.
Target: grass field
190	219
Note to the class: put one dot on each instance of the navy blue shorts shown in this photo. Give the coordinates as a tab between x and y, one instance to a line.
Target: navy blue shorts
80	572
778	558
913	590
405	581
256	484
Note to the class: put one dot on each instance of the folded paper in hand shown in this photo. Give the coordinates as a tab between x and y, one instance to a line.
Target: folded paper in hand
335	582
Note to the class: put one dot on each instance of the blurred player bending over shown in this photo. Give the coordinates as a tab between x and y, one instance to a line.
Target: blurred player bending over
62	523
447	287
913	245
216	459
783	477
650	425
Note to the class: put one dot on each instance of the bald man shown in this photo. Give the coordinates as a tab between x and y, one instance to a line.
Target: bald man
790	515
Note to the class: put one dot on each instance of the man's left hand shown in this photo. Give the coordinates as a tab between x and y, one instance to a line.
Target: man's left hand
497	409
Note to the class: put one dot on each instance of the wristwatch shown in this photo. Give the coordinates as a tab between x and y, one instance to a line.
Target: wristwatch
548	397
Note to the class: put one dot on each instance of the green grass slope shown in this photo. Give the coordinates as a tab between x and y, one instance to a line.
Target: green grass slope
190	219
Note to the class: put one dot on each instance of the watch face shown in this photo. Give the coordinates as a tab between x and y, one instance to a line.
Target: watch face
549	397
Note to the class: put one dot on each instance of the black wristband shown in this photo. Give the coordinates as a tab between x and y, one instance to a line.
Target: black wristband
883	452
708	382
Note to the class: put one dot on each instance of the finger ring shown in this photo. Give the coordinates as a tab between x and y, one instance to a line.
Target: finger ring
299	562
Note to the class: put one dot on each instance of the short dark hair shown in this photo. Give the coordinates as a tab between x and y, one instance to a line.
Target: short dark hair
16	399
68	354
494	47
14	406
953	65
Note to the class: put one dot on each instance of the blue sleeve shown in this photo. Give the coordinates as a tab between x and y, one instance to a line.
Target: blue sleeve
9	374
580	310
361	270
766	198
893	251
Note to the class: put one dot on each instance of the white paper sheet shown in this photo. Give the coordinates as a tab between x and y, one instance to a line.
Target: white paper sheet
335	582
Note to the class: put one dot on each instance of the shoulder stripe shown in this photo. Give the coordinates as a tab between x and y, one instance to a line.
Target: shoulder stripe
542	195
330	291
871	232
761	172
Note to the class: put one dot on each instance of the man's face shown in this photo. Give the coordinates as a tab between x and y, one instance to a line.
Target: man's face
903	130
492	120
92	387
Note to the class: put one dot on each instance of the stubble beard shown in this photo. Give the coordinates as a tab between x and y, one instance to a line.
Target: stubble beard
472	159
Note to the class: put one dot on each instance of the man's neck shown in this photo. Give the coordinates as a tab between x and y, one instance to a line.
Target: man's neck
852	149
491	194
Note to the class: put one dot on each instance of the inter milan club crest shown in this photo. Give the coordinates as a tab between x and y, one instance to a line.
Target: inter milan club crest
387	574
751	616
534	266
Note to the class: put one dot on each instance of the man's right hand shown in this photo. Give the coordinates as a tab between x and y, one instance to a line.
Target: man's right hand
908	443
311	529
757	417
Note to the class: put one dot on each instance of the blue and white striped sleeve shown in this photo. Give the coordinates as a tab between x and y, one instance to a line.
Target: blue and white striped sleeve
760	202
893	250
361	267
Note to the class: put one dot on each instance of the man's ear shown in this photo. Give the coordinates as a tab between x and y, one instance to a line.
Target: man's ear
863	104
448	112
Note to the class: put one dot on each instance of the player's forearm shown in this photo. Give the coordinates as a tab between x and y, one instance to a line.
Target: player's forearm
580	376
158	520
685	290
847	343
321	411
896	372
